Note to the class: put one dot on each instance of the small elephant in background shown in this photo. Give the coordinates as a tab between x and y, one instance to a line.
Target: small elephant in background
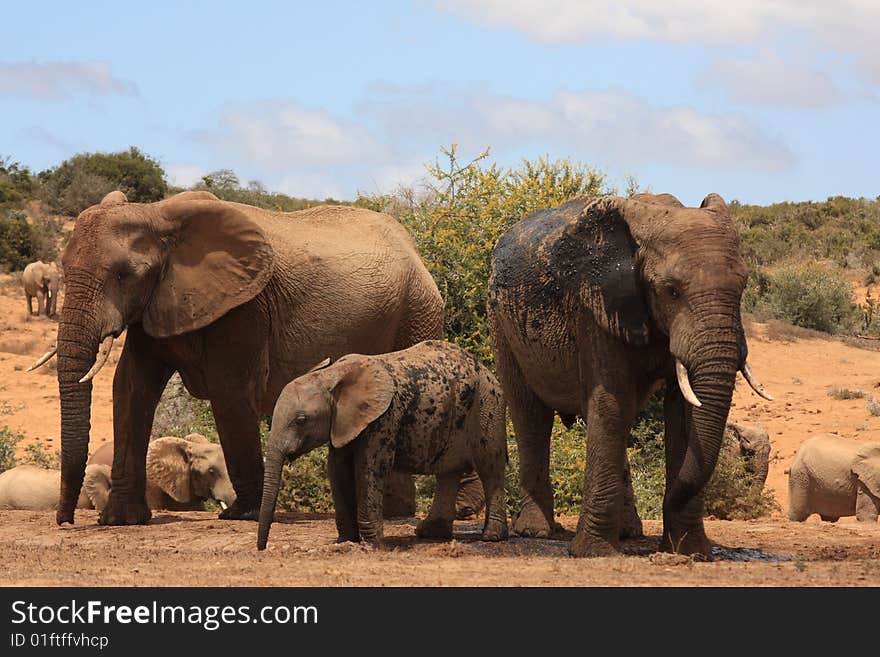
835	477
41	280
752	442
181	472
429	409
34	488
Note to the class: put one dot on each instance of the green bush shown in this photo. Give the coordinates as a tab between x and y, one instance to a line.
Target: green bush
225	185
16	183
806	295
456	220
733	493
38	455
8	440
19	242
84	179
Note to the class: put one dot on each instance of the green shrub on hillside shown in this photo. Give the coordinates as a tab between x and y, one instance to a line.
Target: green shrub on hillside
84	179
806	295
8	440
16	183
226	186
23	242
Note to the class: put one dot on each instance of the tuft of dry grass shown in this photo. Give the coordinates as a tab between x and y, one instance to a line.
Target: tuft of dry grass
845	393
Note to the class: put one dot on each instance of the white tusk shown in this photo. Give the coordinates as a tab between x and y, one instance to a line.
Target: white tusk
103	355
684	383
756	385
43	359
223	505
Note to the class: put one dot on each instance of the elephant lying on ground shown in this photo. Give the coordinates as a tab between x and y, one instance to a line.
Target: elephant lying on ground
41	280
33	488
835	477
239	300
594	304
181	472
430	409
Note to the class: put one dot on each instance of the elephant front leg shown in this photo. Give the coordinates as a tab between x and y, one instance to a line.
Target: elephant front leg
30	303
683	531
630	523
340	469
371	467
238	425
137	387
867	506
438	523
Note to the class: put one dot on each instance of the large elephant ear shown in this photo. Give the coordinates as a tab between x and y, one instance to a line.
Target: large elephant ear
218	259
97	484
168	467
362	392
608	265
866	466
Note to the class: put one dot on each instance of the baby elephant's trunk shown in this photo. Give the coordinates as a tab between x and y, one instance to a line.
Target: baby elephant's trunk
271	483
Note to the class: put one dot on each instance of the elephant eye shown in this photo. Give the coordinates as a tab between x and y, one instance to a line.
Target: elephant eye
673	291
300	419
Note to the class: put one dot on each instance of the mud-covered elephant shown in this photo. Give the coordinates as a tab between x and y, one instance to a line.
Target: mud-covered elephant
41	280
239	300
430	409
34	488
594	304
835	477
182	473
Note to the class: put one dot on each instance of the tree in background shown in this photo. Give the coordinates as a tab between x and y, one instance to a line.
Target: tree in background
81	181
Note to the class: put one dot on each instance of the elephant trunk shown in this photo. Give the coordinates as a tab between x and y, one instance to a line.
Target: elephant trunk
271	484
79	333
712	371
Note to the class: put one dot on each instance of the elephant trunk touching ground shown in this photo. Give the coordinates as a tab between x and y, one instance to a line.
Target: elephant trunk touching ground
271	483
79	335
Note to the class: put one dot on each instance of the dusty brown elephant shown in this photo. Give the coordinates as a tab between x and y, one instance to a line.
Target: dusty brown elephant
41	280
431	409
182	473
34	488
592	305
237	299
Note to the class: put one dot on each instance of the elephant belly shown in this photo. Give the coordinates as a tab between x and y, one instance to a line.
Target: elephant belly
551	372
836	498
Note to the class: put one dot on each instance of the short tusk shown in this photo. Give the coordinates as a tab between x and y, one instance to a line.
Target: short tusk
684	383
43	359
756	385
223	505
103	355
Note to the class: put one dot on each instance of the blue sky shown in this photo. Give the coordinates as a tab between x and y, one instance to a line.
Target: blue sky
757	100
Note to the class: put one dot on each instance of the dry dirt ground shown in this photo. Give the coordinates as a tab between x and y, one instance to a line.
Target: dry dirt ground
798	367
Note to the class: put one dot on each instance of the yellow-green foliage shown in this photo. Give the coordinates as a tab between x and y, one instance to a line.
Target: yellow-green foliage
463	211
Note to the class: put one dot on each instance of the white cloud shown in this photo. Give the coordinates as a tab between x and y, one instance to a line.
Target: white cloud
768	79
184	175
60	80
601	126
287	135
848	27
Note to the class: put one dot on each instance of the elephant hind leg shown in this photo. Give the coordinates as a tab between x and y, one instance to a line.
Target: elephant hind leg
630	523
532	424
438	523
798	496
490	461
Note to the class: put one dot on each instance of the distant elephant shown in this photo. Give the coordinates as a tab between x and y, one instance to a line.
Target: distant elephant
835	477
593	305
181	472
41	280
429	409
239	300
751	442
34	488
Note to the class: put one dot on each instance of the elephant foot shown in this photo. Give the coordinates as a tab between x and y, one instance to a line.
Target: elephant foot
830	518
631	530
690	544
241	511
124	512
495	530
531	522
589	545
471	498
435	528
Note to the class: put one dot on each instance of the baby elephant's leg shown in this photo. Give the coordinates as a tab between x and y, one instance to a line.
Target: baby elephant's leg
369	489
438	524
490	461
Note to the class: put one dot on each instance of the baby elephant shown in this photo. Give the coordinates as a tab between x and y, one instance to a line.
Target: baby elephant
32	488
429	409
835	477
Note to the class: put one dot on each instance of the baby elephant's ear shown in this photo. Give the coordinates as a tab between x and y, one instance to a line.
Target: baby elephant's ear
866	466
362	394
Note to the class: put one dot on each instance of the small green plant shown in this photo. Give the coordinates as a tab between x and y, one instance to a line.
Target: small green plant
845	393
8	440
38	455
